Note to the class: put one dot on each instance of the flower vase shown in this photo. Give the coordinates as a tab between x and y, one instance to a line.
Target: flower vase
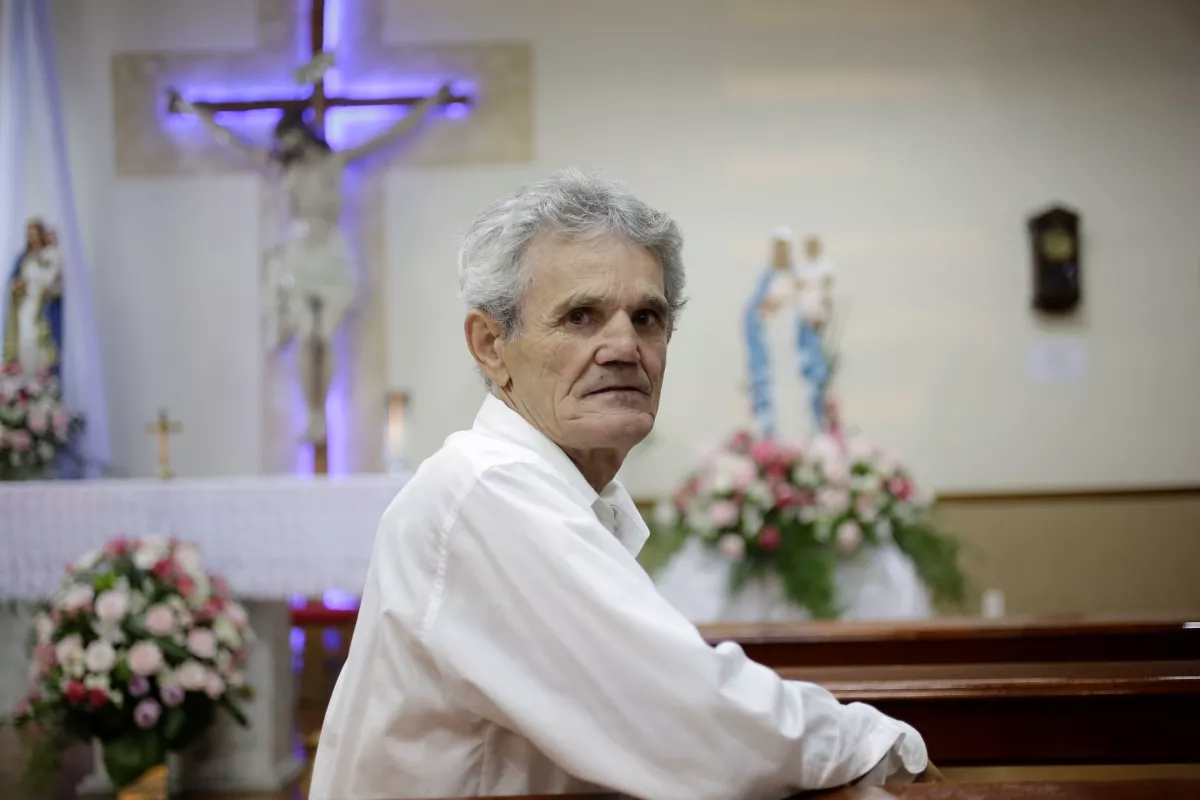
154	784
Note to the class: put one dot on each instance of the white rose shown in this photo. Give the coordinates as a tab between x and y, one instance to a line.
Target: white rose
226	632
100	656
187	556
88	560
96	682
150	551
68	648
117	698
859	449
192	676
44	628
111	606
664	514
236	679
138	602
78	596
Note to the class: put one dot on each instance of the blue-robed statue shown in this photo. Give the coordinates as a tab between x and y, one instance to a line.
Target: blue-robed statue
806	291
33	329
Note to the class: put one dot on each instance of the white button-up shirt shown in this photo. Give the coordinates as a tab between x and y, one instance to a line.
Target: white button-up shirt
508	642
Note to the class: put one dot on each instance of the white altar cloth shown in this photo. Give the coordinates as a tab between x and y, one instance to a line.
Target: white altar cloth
879	583
270	536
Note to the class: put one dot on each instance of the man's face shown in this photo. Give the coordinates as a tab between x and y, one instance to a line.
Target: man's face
587	367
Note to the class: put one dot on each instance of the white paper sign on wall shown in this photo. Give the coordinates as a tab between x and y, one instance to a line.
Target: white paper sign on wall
1057	360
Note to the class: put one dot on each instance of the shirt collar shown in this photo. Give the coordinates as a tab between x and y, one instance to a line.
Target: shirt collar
497	420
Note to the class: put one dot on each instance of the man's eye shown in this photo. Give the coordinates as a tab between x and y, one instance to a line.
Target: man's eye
647	317
578	316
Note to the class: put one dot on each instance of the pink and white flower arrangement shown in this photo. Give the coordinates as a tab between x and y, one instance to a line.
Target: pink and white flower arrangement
138	648
35	424
795	508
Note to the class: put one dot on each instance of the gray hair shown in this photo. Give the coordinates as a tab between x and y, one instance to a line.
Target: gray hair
570	204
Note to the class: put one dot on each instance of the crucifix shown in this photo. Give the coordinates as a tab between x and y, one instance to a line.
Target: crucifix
163	427
314	282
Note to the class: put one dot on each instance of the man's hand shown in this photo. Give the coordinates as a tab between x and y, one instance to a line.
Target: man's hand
931	775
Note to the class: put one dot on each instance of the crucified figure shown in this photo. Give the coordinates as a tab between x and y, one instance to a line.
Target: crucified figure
313	280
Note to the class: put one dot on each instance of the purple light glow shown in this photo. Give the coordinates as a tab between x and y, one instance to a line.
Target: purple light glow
344	127
333	24
338	600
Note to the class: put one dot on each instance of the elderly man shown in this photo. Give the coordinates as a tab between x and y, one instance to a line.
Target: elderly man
508	641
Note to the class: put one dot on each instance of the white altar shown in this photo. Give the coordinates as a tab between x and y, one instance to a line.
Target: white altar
271	537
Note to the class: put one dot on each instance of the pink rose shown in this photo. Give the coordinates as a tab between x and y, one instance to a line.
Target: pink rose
36	421
732	547
23	708
43	654
724	513
763	451
769	538
866	506
900	488
160	620
45	628
837	472
111	606
214	687
145	658
201	643
848	536
237	614
743	473
20	440
59	419
834	501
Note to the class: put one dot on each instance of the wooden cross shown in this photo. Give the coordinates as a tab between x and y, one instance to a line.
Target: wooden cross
317	99
163	427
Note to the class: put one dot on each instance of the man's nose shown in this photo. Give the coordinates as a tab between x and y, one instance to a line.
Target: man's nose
619	341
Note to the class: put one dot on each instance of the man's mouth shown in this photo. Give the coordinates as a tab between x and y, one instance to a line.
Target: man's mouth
618	390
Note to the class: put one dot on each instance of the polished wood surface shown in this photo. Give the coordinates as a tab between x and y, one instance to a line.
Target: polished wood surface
962	641
1028	714
1082	790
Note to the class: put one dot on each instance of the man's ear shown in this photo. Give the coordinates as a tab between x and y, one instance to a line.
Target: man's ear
485	340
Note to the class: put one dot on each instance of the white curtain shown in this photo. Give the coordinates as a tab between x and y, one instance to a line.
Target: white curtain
35	180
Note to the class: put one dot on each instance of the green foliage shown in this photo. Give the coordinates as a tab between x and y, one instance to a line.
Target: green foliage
936	558
127	757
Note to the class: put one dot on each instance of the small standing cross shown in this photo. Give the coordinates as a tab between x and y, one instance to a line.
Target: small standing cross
163	427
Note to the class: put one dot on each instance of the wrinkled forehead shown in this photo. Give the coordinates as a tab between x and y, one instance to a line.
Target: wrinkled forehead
607	265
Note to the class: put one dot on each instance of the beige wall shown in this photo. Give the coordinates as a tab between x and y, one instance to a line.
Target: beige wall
915	137
1124	553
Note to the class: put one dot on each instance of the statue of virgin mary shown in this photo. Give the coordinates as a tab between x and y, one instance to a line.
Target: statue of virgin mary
33	296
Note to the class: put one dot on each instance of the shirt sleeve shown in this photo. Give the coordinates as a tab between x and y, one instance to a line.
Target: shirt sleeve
546	626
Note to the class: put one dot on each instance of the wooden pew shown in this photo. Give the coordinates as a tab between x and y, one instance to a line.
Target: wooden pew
1029	714
1089	790
962	641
